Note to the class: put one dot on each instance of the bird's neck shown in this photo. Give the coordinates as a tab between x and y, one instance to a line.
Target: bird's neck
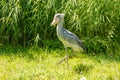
60	25
59	29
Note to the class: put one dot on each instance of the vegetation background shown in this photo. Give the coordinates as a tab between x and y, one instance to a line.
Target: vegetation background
96	22
25	27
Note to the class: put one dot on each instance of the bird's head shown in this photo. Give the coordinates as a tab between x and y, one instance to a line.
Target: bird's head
57	19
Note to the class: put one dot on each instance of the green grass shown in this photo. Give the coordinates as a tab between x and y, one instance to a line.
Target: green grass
95	22
17	63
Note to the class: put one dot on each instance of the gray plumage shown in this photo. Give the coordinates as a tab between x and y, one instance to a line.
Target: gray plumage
69	39
66	37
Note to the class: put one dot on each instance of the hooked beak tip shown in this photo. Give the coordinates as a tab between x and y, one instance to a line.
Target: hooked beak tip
53	23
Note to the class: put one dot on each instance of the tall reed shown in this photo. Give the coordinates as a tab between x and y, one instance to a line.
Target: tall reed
96	22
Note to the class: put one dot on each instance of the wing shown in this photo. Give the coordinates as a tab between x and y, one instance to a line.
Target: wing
72	38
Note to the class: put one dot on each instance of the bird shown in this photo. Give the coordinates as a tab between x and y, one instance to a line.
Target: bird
66	37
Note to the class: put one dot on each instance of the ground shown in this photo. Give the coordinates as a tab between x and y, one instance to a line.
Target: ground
42	64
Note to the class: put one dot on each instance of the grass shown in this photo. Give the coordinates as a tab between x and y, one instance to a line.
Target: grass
17	63
96	23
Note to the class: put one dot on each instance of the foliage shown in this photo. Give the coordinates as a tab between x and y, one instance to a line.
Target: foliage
96	22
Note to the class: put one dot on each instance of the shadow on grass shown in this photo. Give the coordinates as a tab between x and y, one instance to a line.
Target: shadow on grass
18	51
105	56
82	69
32	53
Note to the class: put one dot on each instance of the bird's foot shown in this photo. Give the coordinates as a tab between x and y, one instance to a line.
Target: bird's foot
64	59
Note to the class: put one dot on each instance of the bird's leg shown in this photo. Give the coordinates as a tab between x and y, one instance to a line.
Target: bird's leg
66	58
61	60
